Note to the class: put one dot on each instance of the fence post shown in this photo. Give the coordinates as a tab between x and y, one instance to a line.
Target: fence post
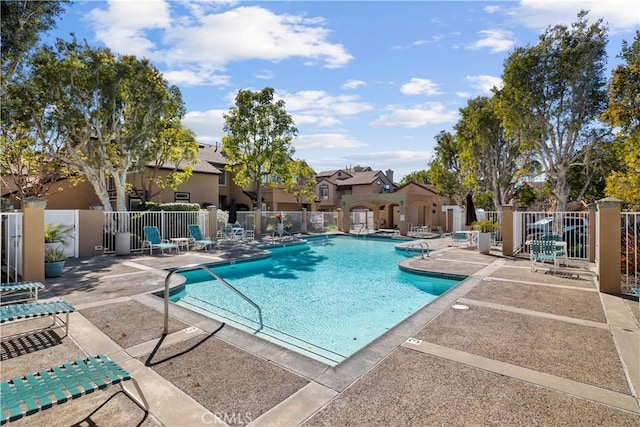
303	225
507	230
213	221
608	245
33	244
592	232
257	222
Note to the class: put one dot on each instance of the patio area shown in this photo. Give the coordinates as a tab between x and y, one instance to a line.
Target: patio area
507	346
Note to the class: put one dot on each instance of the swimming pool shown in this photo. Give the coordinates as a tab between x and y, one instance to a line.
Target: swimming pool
326	299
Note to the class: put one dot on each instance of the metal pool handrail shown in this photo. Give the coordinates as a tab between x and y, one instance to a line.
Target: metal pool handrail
421	244
214	275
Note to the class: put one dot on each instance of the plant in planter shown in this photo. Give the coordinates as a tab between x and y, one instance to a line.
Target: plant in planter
485	227
54	259
57	235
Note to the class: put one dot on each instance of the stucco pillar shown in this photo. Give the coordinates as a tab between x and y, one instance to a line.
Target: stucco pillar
592	233
507	230
404	226
213	221
608	245
33	244
340	220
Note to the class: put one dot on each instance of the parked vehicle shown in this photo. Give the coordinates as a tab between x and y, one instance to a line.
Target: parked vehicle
575	232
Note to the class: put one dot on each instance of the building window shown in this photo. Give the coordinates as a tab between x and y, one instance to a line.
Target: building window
222	178
324	191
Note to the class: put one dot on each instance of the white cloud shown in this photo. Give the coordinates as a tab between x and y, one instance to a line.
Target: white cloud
320	103
495	40
353	84
618	14
492	9
195	78
207	125
484	83
254	33
422	115
326	141
463	94
265	75
418	86
122	25
203	41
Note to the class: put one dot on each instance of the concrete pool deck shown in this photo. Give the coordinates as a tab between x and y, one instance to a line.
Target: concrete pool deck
532	348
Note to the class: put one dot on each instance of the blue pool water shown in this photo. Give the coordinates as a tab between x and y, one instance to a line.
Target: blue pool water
326	299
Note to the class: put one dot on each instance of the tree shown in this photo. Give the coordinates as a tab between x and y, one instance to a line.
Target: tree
491	160
102	115
175	150
258	141
419	177
623	112
446	170
552	94
301	182
22	23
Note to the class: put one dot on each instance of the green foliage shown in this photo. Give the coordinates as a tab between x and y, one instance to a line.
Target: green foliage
490	160
623	112
54	255
103	115
485	200
300	182
552	94
526	195
419	177
485	225
258	141
22	24
170	207
58	233
446	170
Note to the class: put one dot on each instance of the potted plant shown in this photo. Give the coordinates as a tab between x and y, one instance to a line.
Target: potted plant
484	227
54	259
279	224
57	235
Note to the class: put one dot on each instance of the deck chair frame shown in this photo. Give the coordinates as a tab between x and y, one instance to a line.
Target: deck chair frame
28	311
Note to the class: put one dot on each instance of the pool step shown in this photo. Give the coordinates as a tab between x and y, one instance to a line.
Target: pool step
268	333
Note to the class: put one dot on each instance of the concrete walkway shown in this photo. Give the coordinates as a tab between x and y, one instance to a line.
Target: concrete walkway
507	346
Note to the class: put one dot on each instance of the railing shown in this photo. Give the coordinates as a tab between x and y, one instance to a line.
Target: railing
572	227
422	245
630	250
11	246
171	224
215	276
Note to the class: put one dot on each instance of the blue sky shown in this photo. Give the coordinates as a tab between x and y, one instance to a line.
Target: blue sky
367	83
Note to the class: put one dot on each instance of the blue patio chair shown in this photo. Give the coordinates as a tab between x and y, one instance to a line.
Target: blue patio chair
153	240
200	241
459	237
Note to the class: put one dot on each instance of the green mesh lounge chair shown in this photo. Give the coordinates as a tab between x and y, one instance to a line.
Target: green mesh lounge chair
20	312
153	240
198	240
36	392
542	251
